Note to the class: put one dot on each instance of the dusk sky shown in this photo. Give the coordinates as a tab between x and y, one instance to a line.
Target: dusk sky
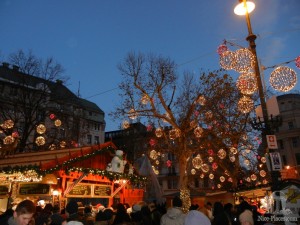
89	38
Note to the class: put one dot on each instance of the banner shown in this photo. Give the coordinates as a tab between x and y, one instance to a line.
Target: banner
275	161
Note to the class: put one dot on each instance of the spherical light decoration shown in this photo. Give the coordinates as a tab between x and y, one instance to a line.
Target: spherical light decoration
169	163
246	83
262	173
198	131
52	147
227	60
265	181
233	150
221	153
202	175
245	60
132	114
253	177
153	154
15	134
157	162
230	179
246	162
158	132
209	115
245	104
193	171
211	176
222	179
174	133
62	144
197	162
248	179
57	123
222	48
193	123
41	128
52	116
232	158
283	79
244	137
8	124
40	141
214	166
145	99
248	150
201	100
205	168
219	186
210	159
297	62
8	140
263	159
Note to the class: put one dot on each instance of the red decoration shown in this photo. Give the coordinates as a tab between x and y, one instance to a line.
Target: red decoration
214	166
152	142
169	163
52	116
222	48
149	127
297	62
15	134
210	152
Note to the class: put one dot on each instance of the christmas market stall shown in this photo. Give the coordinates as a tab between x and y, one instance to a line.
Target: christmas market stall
94	175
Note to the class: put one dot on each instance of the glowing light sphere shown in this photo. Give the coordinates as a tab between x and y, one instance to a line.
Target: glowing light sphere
62	144
145	99
8	140
205	168
132	114
210	159
233	150
202	175
211	176
221	153
214	166
174	133
283	78
265	181
246	162
201	100
153	154
232	158
209	115
8	124
197	162
158	132
15	134
198	131
262	173
157	162
253	177
244	137
263	159
41	128
248	179
245	60
245	104
219	186
248	150
40	141
52	116
246	83
227	60
125	124
222	179
57	123
297	62
230	179
52	147
169	163
193	171
222	48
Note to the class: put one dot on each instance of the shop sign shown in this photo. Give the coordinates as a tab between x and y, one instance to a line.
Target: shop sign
34	189
102	191
80	190
4	189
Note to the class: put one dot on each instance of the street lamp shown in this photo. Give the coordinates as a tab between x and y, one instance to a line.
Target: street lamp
244	8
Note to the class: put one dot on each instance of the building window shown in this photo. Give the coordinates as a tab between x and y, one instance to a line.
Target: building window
295	141
298	158
96	139
89	139
291	125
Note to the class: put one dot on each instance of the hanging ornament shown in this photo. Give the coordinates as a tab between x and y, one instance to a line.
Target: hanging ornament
248	179
253	177
52	147
132	114
230	179
210	152
169	163
222	48
283	79
221	153
227	60
8	124
205	168
125	124
214	166
158	132
209	115
246	83
145	99
149	127
153	154
157	162
201	100
52	116
8	140
232	157
193	123
198	131
246	162
40	141
193	171
197	162
245	60
262	173
297	62
210	159
245	104
152	142
233	150
57	123
219	186
263	159
15	134
211	176
174	133
222	179
40	129
202	175
62	144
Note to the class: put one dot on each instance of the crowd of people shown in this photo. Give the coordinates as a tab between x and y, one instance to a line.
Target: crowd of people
142	213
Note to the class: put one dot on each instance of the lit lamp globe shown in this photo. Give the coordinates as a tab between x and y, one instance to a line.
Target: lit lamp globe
243	7
49	179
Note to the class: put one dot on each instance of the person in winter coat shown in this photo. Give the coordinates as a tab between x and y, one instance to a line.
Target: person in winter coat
195	217
174	215
23	215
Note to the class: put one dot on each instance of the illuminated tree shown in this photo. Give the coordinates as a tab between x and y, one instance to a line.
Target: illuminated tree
199	120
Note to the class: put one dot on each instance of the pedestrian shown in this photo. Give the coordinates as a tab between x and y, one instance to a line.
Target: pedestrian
174	214
72	213
195	217
23	215
220	217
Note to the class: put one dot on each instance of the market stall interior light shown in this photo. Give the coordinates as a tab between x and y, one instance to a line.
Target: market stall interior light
243	7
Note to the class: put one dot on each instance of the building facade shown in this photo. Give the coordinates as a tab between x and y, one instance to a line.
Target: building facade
39	114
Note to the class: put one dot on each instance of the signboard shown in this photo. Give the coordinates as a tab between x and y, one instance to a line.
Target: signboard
272	142
4	189
80	190
275	161
34	189
102	191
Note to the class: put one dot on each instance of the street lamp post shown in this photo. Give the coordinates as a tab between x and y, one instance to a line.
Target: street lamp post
266	129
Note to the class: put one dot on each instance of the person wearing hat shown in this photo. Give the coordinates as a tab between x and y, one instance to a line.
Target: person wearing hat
72	214
174	215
